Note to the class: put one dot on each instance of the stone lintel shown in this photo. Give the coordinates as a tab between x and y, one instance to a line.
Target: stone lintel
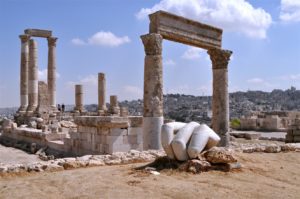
102	121
38	33
186	31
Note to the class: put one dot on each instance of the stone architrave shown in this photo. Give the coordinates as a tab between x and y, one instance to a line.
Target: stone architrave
32	77
220	98
78	98
24	72
52	71
186	31
38	33
153	91
101	93
114	108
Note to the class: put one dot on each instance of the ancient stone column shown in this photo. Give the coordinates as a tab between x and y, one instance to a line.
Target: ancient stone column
32	77
101	93
24	72
52	71
78	98
153	91
114	108
220	98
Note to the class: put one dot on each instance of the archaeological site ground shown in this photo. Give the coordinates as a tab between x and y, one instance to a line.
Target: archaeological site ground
49	151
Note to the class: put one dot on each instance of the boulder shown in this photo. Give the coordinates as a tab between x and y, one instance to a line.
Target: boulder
219	155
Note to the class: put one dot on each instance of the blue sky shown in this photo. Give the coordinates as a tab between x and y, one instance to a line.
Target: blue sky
104	36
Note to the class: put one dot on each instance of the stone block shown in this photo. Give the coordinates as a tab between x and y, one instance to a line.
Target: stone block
38	33
186	31
118	132
134	130
131	139
296	132
297	138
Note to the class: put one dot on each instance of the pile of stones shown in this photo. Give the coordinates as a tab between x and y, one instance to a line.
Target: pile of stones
118	158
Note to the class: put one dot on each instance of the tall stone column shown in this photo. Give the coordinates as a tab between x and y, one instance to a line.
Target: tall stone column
32	77
78	98
52	71
220	98
101	93
153	91
114	108
24	72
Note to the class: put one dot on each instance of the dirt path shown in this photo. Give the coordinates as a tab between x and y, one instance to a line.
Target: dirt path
9	155
264	176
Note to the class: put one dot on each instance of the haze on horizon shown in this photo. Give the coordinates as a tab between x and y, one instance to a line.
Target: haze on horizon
104	36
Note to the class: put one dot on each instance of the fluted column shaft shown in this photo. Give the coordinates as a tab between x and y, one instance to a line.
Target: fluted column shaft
101	93
78	98
153	91
220	98
24	72
32	77
52	71
114	105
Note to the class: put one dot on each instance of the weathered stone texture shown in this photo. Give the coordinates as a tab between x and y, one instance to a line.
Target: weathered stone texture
38	33
101	92
52	70
32	77
114	108
24	72
78	98
220	101
43	98
153	79
186	31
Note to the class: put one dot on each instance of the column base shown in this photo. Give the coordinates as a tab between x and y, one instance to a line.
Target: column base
31	109
152	132
101	112
225	140
22	109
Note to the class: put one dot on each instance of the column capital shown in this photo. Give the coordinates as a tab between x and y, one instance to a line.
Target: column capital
24	38
219	58
52	41
152	43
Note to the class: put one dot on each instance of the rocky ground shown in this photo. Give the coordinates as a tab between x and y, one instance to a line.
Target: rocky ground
263	175
268	165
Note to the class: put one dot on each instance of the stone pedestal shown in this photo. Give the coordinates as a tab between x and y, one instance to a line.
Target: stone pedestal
153	91
78	98
32	77
220	98
24	73
114	108
101	93
52	71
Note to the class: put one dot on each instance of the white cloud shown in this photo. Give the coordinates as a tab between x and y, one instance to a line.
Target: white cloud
102	38
290	11
291	77
232	15
261	83
42	75
77	41
255	80
192	53
169	62
90	80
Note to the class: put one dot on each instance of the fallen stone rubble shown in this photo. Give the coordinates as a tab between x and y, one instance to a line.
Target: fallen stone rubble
217	158
275	147
132	156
